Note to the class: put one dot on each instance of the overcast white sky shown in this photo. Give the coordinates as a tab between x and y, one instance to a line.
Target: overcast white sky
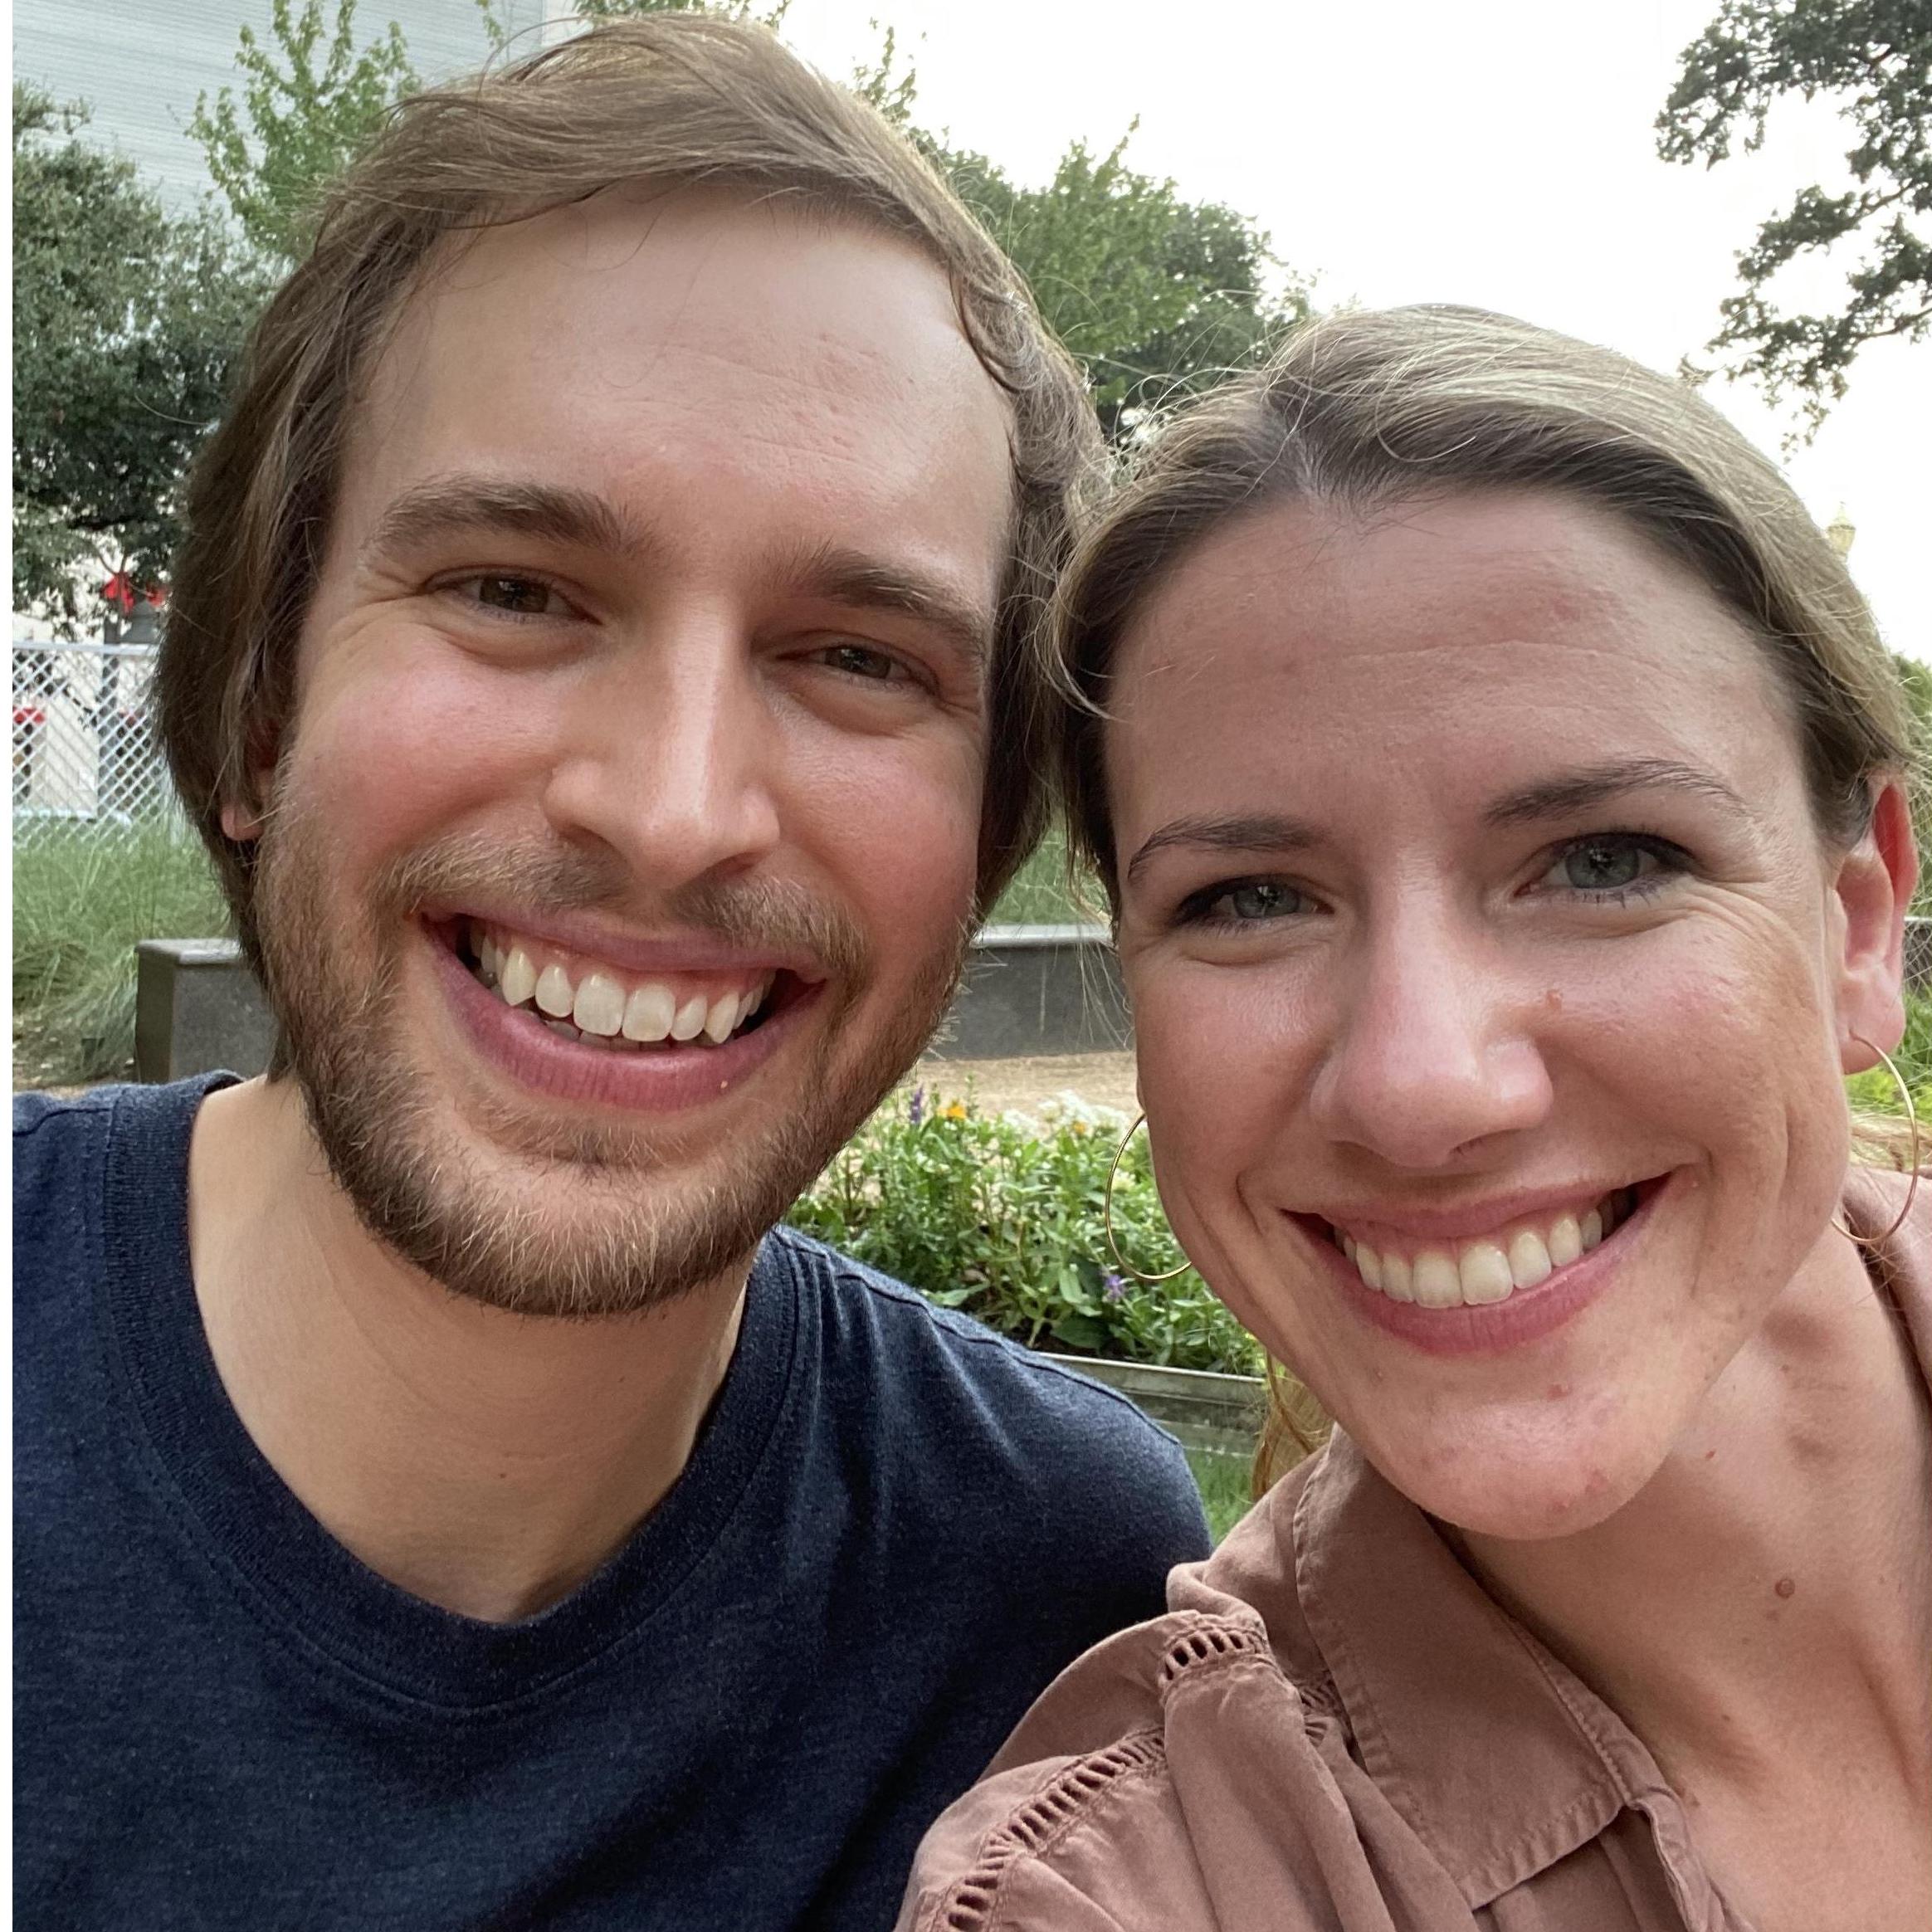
1495	152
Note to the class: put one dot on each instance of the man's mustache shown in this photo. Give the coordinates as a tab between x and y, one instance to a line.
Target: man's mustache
752	915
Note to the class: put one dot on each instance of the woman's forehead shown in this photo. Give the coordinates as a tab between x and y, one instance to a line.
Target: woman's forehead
1509	629
1419	596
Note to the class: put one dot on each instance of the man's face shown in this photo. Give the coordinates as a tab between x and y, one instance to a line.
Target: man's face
622	846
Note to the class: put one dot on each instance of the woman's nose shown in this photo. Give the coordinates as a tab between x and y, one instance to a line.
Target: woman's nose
1432	1050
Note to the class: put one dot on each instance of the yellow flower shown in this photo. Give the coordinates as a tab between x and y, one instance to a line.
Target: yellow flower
952	1110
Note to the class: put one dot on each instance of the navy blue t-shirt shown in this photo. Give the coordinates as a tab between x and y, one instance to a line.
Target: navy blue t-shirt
896	1528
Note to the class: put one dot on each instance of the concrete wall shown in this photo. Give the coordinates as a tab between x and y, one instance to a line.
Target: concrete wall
1027	989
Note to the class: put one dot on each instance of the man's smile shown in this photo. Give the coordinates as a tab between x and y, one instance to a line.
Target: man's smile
680	1038
600	1003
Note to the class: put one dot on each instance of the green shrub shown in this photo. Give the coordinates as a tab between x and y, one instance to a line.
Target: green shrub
1041	893
1877	1092
1001	1216
83	895
1227	1487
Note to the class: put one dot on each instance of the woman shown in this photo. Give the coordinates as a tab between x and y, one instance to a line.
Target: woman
1500	786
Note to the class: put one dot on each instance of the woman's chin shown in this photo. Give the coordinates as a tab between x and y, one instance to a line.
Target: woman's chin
1521	1486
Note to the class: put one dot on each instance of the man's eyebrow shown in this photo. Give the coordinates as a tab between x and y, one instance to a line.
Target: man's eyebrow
1257	831
446	506
834	576
1570	792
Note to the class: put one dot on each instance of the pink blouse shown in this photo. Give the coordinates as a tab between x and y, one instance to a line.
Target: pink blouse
1336	1727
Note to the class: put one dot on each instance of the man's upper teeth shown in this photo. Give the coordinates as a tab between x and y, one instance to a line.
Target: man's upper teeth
1490	1268
598	1004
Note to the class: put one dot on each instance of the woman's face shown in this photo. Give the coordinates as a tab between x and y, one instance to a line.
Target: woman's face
1477	928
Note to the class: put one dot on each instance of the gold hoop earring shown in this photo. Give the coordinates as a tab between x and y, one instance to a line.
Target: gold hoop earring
1126	1266
1874	1241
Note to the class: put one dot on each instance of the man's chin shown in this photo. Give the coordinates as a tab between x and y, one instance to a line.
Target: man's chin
538	1192
578	1229
519	1202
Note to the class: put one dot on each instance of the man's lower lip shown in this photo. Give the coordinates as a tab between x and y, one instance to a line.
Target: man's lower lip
658	1081
1526	1315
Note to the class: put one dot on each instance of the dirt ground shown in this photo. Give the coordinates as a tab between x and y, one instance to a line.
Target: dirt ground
1103	1079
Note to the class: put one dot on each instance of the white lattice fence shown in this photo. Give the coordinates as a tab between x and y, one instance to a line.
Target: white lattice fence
84	751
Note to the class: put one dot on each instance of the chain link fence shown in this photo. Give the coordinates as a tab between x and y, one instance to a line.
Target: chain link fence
84	750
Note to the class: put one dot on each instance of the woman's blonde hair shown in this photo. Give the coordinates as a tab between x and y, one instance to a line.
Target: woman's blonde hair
1366	408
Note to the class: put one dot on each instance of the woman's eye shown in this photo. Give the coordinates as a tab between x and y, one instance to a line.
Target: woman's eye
1252	903
521	597
1609	862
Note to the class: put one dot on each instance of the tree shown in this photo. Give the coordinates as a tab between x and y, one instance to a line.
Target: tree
300	120
1158	296
125	323
1874	59
500	37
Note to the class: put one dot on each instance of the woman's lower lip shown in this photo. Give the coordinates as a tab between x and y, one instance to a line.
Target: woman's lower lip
662	1080
1525	1315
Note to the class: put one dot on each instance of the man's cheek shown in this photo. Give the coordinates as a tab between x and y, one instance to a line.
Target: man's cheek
405	763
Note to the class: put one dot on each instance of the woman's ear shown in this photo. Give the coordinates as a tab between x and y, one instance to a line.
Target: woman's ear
1875	884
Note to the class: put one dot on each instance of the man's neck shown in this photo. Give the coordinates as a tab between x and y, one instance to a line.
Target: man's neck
486	1461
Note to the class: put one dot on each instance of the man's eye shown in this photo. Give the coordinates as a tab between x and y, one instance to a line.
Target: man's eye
1610	862
522	597
861	660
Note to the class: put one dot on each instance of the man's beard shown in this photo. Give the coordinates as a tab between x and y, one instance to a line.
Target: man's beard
630	1232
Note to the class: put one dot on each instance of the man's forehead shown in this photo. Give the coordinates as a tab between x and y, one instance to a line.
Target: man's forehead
725	376
781	289
650	308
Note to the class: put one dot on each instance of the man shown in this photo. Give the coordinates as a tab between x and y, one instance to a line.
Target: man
600	666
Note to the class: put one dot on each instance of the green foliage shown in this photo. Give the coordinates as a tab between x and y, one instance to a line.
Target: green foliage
1916	678
1002	1218
882	82
1878	1092
1227	1487
1157	297
81	901
498	29
308	107
125	324
1041	894
1874	59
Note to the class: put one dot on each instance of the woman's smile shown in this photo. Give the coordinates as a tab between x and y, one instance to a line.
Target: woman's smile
1483	1278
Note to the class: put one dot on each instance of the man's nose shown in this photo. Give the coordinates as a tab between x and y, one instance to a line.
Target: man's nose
669	756
1433	1050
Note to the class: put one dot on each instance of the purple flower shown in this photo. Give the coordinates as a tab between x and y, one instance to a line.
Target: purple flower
1112	1285
915	1107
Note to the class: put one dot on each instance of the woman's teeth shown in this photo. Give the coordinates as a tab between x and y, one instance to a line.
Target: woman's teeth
1474	1273
601	1010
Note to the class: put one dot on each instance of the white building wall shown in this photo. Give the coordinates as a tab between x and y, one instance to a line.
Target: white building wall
141	64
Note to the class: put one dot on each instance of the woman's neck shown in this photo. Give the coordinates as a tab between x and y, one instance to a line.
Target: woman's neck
1772	1581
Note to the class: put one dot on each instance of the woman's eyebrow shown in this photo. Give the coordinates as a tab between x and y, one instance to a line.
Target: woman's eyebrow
1260	831
1569	793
